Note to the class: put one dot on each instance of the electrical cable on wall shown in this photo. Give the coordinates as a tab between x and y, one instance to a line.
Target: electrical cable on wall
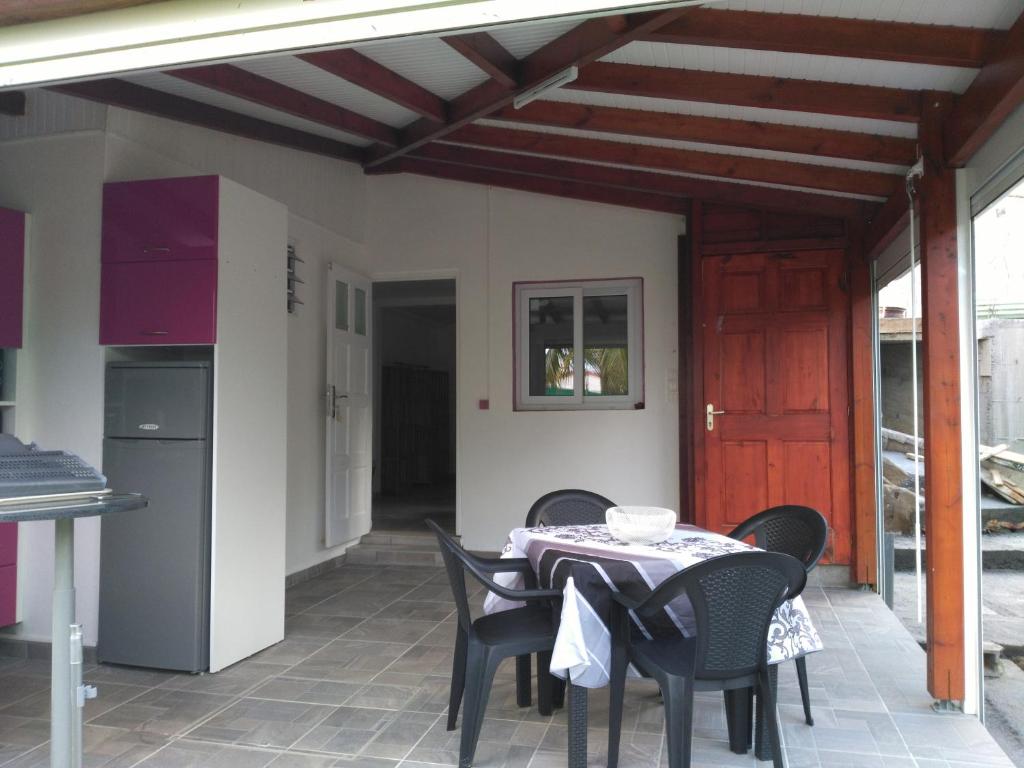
915	172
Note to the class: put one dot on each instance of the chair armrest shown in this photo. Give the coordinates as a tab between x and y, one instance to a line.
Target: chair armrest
625	601
503	565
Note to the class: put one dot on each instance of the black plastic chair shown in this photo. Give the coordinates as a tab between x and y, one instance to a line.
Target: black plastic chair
798	531
734	598
481	645
570	506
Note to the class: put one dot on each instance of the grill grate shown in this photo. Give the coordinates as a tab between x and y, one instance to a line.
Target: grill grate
36	473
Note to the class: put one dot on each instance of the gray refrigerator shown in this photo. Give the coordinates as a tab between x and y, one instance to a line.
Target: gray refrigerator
155	564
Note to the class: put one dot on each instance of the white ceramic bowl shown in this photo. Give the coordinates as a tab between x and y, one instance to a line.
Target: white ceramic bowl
640	525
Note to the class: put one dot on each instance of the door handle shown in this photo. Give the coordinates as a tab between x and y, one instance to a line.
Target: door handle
711	413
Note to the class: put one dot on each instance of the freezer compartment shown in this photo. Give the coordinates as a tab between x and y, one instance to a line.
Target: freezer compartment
155	563
157	400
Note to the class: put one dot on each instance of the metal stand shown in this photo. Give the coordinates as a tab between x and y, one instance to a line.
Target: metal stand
60	665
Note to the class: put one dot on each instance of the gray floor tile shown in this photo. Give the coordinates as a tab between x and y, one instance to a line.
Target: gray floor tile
307	691
415	610
309	625
233	681
262	723
186	753
165	712
395	630
101	748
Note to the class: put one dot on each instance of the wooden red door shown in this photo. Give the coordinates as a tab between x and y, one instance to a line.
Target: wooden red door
775	357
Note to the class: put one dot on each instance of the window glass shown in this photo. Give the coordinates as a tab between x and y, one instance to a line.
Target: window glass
606	345
360	307
340	305
552	348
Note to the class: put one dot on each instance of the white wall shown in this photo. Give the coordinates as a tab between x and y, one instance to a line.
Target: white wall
493	238
58	179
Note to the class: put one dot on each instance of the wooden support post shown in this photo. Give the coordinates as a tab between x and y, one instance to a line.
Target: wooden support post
865	520
941	420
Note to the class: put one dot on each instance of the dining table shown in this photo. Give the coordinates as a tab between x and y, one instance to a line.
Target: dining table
587	563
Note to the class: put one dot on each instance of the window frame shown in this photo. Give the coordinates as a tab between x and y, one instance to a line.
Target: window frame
523	292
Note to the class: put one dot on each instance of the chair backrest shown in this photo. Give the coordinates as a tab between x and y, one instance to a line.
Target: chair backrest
455	564
798	531
734	598
570	506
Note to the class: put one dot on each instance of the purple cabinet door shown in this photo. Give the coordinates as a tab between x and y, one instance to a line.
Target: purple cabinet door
8	573
158	302
12	275
161	219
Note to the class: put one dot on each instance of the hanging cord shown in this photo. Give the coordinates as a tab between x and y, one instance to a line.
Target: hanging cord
917	170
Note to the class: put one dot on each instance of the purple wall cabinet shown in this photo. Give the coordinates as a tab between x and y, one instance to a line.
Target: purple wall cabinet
159	302
159	253
8	573
12	276
161	219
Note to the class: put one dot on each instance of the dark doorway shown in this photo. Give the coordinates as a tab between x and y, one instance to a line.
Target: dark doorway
414	407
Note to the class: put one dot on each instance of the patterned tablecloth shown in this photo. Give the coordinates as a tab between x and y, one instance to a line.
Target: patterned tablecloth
587	563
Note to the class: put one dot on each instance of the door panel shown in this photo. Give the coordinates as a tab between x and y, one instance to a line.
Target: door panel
349	414
775	355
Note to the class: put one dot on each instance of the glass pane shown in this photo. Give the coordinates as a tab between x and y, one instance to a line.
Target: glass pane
360	319
606	345
340	305
552	364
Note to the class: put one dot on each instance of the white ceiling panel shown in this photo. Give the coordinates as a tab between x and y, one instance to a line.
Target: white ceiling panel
169	84
798	66
427	62
523	39
721	149
759	114
990	14
297	74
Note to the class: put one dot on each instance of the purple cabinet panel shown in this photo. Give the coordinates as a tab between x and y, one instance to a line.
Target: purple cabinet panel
8	573
159	302
161	219
12	275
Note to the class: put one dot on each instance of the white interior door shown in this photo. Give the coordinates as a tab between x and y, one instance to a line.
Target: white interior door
349	413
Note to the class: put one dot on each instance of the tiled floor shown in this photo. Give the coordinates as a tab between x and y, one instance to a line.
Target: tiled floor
362	680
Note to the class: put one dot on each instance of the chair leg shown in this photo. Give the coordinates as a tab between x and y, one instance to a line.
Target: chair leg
677	693
480	668
737	717
557	692
805	692
616	694
767	695
524	693
545	692
458	677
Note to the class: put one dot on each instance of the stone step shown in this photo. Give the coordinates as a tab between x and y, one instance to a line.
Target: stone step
396	548
999	552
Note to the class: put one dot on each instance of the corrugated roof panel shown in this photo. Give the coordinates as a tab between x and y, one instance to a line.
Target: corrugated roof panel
799	66
719	149
989	14
523	39
759	114
427	62
307	78
169	84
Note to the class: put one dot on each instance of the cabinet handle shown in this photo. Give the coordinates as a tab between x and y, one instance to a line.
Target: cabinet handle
155	333
156	249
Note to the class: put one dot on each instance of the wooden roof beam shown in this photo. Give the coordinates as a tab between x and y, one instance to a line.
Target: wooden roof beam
579	46
776	137
121	93
823	177
488	55
869	101
235	81
688	187
361	70
853	38
995	93
567	188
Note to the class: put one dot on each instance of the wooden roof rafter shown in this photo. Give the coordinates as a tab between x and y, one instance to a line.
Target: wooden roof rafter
488	55
579	46
851	38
